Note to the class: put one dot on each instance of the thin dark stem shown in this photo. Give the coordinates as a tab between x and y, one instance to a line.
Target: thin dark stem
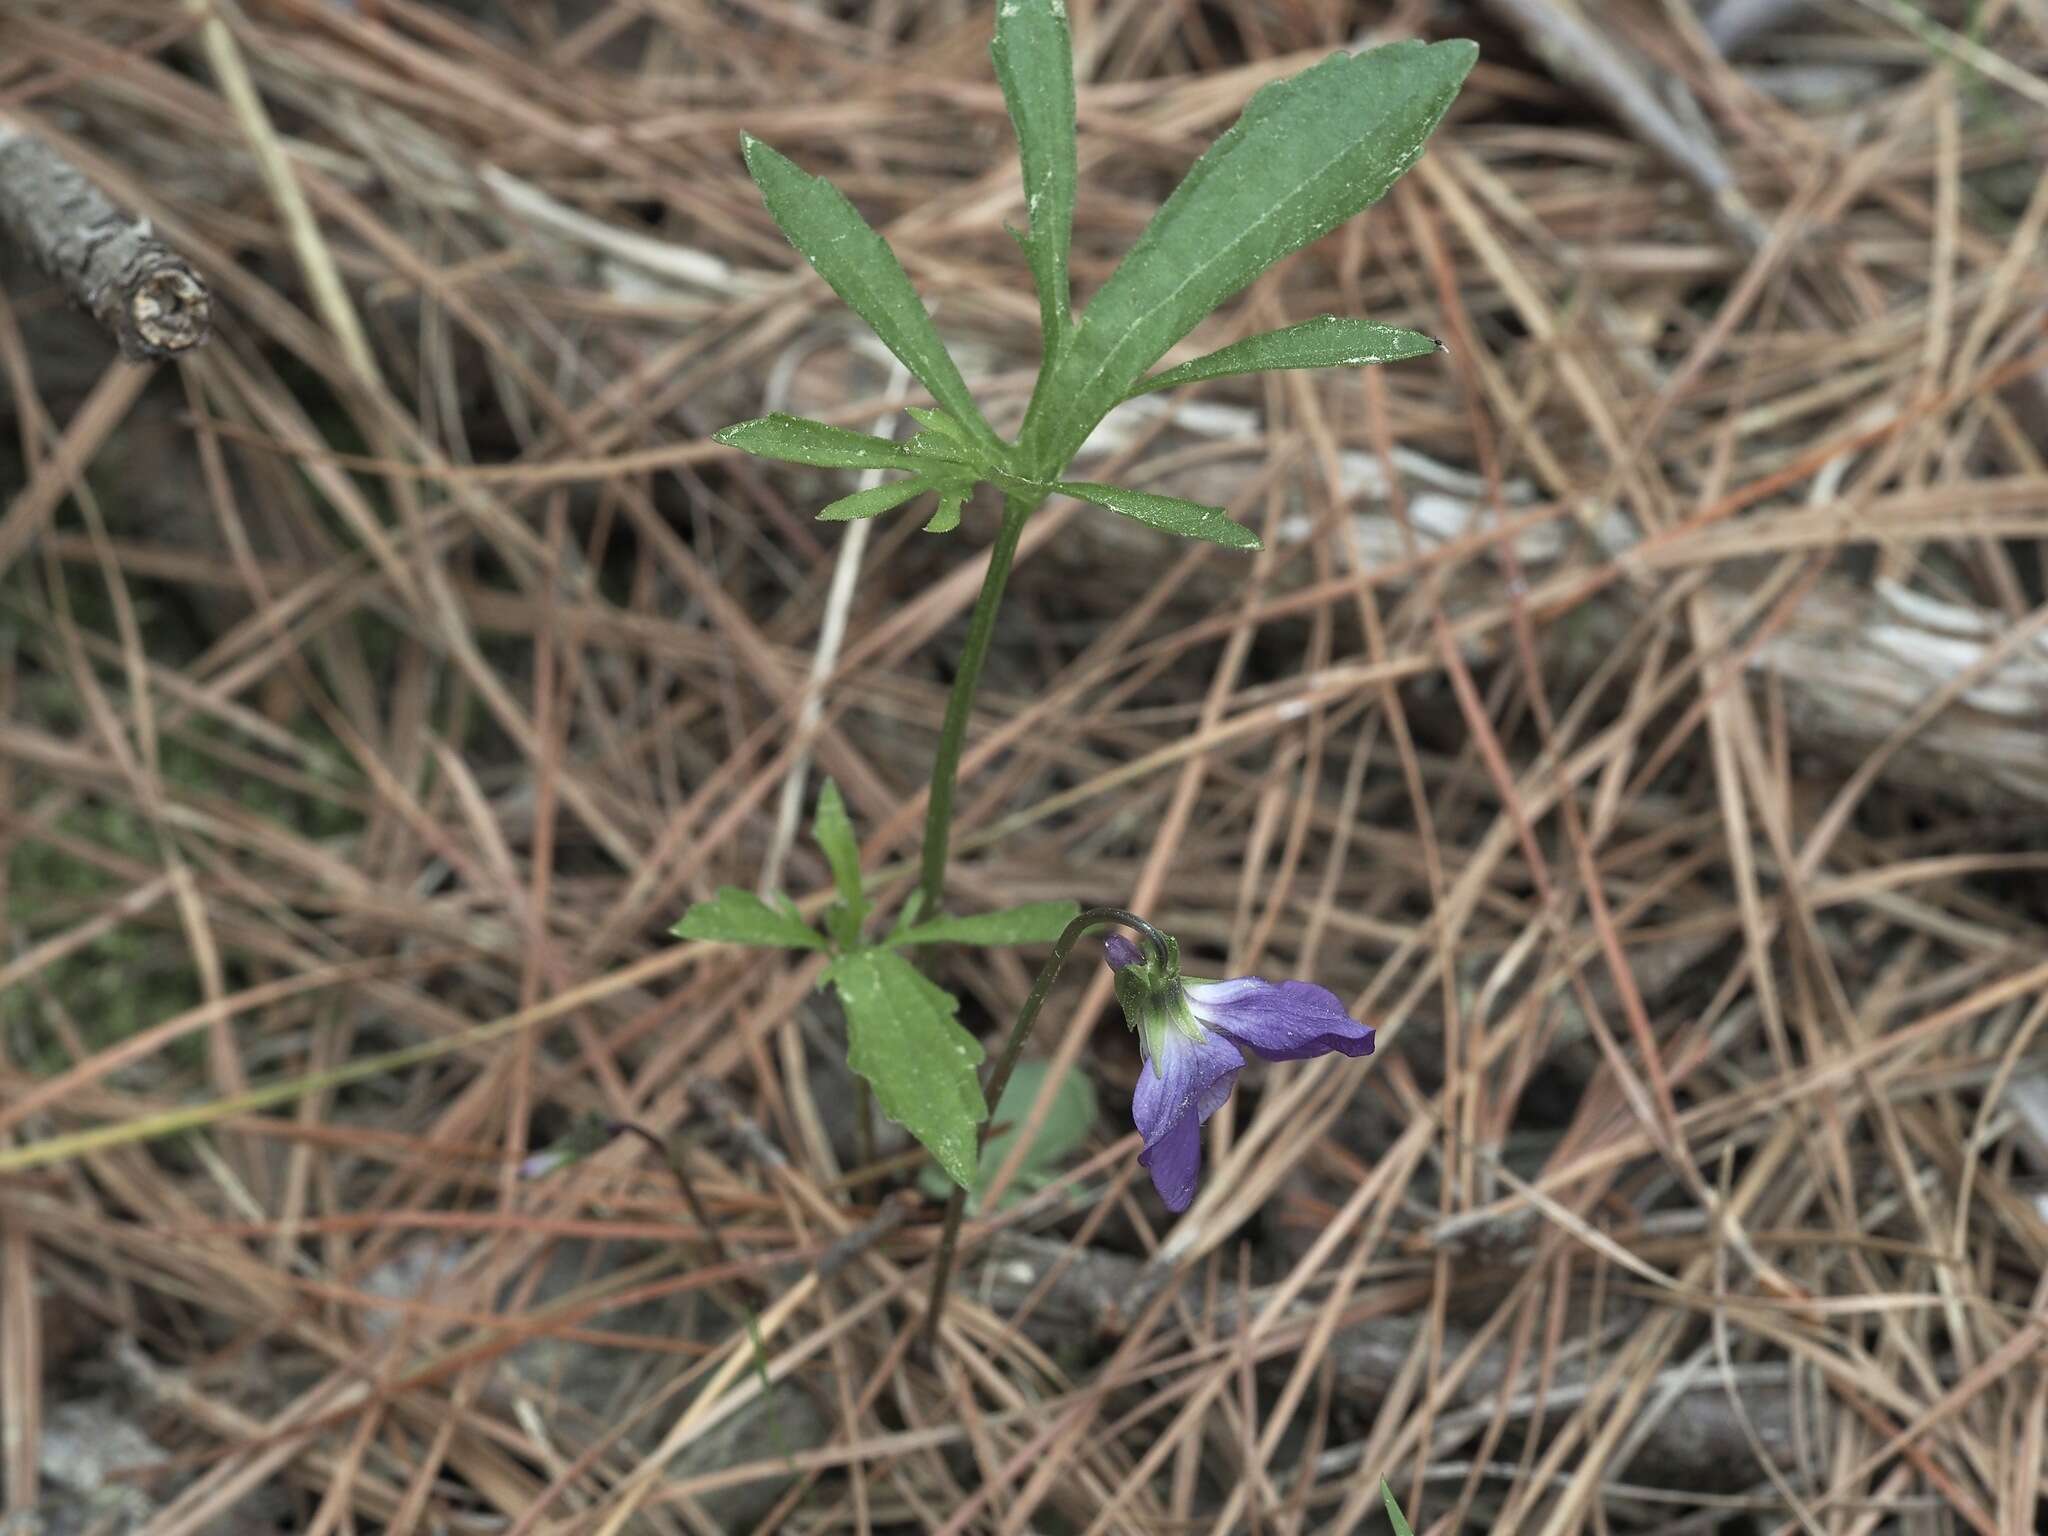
672	1154
938	814
674	1158
863	1123
1013	1050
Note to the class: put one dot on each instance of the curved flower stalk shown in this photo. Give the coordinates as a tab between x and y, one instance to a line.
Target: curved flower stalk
1193	1034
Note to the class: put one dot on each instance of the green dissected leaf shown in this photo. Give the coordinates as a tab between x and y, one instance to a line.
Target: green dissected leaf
1189	519
940	449
834	834
1394	1511
799	440
941	432
734	916
1067	1124
863	271
1328	341
947	518
942	456
1307	153
902	1037
1034	60
1036	922
873	501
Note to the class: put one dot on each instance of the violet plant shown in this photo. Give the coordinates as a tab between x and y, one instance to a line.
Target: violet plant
1307	153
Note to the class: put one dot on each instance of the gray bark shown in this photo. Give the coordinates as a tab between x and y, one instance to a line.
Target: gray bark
110	263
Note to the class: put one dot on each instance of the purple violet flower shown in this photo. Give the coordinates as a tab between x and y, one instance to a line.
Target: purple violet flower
1191	1033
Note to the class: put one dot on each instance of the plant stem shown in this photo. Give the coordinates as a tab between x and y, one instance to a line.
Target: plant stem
1013	1049
938	814
673	1156
863	1123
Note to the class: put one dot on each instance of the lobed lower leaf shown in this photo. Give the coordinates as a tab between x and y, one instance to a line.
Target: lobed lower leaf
902	1037
1069	1119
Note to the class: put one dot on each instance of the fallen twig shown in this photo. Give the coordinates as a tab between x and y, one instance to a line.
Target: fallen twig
110	263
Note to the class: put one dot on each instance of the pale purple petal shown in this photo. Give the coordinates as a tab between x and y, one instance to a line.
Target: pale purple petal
541	1164
1185	1076
1120	952
1279	1020
1214	1095
1184	1083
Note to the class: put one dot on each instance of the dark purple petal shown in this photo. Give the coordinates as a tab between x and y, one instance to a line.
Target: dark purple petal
1120	952
1176	1163
1183	1084
1279	1020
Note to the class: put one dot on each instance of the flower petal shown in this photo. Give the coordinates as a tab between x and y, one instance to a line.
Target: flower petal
1176	1163
1120	952
1280	1020
1214	1095
541	1164
1185	1076
1184	1083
